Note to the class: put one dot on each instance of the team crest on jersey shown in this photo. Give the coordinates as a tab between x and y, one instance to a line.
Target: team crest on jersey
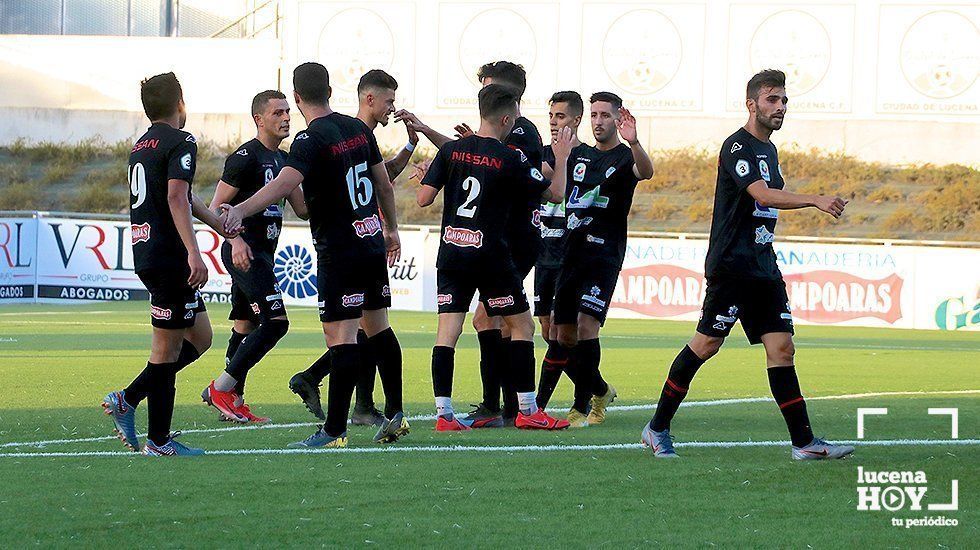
352	300
161	313
141	233
463	237
764	170
242	152
185	161
763	235
578	173
736	146
610	171
501	302
536	219
444	299
367	227
742	167
272	232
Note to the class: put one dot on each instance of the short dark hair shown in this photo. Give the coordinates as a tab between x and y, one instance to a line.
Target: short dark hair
573	99
160	94
376	78
608	97
312	82
496	99
505	72
768	78
261	99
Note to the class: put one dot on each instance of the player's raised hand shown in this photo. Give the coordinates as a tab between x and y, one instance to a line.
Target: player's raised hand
626	125
831	205
199	271
411	121
393	246
232	218
241	254
561	144
463	130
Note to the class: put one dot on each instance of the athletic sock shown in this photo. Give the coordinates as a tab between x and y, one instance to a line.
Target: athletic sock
443	358
321	367
507	383
555	360
785	388
444	406
188	354
364	400
160	401
590	355
490	346
140	387
521	377
346	360
581	380
388	353
682	371
527	403
255	347
234	341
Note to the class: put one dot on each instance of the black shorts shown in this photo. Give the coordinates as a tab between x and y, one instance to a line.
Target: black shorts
501	290
524	257
255	294
346	287
173	303
545	279
762	306
584	287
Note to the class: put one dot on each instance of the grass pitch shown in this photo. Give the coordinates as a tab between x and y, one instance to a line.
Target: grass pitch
579	488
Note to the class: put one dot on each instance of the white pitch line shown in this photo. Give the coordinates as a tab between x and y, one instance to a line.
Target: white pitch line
430	417
506	448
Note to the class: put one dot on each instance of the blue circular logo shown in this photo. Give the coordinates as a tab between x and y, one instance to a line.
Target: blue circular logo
294	271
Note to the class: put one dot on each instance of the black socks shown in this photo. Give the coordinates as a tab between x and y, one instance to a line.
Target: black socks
387	353
555	361
253	348
785	388
443	358
366	374
345	361
491	348
682	371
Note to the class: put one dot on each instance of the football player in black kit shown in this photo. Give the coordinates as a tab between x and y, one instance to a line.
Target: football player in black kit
524	237
481	177
344	182
168	261
376	104
598	196
743	282
565	111
257	309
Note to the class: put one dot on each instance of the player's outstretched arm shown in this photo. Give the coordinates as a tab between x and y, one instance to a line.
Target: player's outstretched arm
386	200
642	164
787	200
287	180
426	195
180	210
415	124
396	165
223	193
298	202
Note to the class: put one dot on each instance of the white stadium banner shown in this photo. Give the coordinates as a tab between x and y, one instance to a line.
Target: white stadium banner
77	259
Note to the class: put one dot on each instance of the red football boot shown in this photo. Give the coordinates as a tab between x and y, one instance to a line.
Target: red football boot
449	423
224	401
539	421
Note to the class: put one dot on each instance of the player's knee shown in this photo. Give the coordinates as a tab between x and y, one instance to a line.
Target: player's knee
706	347
567	338
782	353
277	327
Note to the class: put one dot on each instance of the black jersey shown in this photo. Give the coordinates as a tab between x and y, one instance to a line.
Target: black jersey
548	155
162	154
251	167
335	155
598	196
742	230
523	230
480	178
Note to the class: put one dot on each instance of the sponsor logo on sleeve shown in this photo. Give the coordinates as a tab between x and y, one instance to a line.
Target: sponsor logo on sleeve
242	152
301	136
367	227
463	237
141	233
736	146
185	161
519	131
191	138
189	315
742	167
501	302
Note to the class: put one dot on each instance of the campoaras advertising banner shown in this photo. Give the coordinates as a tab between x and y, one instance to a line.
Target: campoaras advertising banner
77	260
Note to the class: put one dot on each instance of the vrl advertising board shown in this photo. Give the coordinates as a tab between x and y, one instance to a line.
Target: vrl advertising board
18	260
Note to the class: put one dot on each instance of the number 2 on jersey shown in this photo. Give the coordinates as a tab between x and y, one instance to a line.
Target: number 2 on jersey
137	184
359	186
472	186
